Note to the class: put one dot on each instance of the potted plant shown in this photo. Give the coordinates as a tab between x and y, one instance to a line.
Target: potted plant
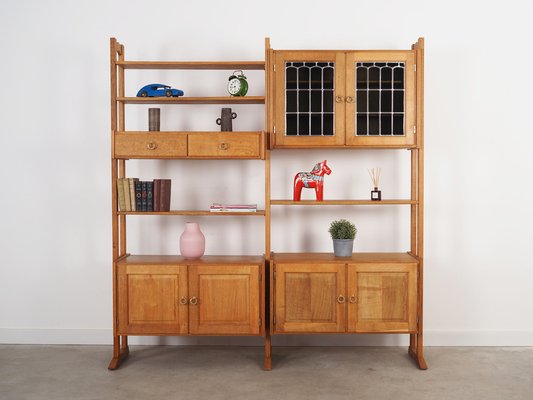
343	234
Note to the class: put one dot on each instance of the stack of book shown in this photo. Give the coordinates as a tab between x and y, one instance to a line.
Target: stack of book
217	207
149	196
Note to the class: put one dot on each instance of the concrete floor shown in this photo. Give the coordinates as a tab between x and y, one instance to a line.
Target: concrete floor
197	373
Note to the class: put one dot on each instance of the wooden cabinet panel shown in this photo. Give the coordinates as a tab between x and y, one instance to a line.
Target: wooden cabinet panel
225	144
152	299
224	299
150	145
307	298
382	297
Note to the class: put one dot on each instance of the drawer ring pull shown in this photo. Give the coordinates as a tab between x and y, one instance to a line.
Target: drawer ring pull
183	301
349	99
193	301
341	299
223	146
353	299
339	99
151	146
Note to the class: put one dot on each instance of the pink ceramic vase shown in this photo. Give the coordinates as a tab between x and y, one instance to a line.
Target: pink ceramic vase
192	241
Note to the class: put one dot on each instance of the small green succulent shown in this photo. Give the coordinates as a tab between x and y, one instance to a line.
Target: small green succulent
342	229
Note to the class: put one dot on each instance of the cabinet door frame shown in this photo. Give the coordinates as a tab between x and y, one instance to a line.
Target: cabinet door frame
197	326
409	137
280	57
178	325
377	326
279	307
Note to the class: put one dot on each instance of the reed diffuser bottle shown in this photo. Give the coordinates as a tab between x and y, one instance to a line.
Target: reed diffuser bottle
374	173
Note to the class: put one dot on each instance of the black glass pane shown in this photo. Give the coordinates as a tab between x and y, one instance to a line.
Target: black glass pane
373	101
373	78
361	101
378	64
316	78
386	78
316	124
398	78
373	124
386	101
290	78
398	101
297	64
328	78
316	100
327	127
361	77
361	124
322	64
303	78
303	120
303	98
386	124
397	125
291	128
328	101
291	97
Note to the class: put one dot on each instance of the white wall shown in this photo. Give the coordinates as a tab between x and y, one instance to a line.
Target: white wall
55	252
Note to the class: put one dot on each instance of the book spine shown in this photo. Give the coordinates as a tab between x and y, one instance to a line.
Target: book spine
157	194
132	193
144	197
127	194
149	196
138	195
164	198
120	193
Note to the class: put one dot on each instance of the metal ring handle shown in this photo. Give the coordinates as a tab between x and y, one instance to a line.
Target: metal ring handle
349	99
341	299
223	146
151	146
193	301
183	301
353	299
339	99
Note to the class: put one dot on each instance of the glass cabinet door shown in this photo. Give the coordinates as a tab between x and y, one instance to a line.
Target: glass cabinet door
380	98
309	98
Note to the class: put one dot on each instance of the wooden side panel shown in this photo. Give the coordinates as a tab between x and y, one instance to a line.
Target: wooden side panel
153	299
382	298
224	299
307	298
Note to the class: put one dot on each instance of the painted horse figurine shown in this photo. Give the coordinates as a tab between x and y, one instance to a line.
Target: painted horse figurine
313	180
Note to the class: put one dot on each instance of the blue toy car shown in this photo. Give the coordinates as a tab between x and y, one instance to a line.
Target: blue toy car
159	90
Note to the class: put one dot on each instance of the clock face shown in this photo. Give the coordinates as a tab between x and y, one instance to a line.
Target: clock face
234	86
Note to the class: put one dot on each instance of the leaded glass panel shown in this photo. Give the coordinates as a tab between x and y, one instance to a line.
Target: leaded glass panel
380	97
309	92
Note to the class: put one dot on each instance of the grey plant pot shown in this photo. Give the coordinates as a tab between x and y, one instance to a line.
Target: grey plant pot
343	247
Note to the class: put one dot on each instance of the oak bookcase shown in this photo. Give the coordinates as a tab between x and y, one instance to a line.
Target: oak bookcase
345	99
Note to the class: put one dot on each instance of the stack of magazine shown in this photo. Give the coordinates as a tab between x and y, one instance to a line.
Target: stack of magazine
218	207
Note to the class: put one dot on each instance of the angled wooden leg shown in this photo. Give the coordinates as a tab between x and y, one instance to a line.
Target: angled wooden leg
268	352
412	345
119	354
420	352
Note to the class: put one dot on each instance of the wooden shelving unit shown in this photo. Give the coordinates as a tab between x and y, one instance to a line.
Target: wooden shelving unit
279	293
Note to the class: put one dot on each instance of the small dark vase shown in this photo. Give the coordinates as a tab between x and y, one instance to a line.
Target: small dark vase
225	120
375	194
154	118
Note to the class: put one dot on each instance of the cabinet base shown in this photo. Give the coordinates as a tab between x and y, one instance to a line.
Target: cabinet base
116	361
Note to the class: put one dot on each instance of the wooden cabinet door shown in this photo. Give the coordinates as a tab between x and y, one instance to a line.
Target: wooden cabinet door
382	297
309	298
380	98
152	299
224	299
308	99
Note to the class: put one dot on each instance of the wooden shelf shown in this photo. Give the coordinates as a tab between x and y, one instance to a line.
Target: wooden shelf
340	202
193	212
194	65
193	100
175	259
321	258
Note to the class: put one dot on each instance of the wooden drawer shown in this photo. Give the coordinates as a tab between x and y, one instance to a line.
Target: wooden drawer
150	145
225	144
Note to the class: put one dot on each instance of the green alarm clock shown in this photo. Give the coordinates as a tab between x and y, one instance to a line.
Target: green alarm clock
237	85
